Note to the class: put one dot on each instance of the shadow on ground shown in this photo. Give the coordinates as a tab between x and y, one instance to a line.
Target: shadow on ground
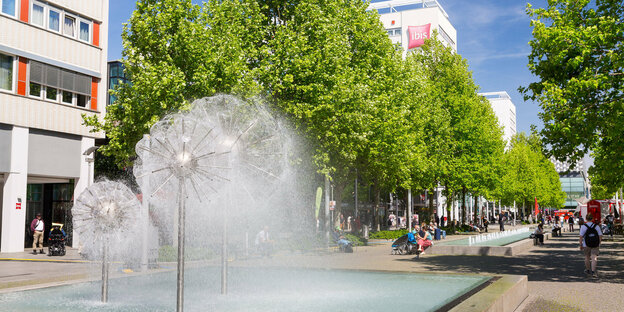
559	260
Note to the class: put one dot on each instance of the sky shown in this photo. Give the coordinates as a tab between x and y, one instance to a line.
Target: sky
493	35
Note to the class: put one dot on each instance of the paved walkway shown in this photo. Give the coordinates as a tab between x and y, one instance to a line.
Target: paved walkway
555	270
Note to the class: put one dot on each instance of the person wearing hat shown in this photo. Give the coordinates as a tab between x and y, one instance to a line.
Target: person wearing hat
37	227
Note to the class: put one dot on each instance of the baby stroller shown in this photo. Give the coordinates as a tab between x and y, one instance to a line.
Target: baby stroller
56	242
405	245
344	244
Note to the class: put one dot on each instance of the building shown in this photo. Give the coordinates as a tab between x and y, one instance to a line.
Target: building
52	60
505	111
574	182
116	76
410	22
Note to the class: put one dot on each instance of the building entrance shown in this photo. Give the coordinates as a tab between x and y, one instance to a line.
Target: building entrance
54	201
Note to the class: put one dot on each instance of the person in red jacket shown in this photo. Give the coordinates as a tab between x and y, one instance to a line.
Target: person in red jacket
37	227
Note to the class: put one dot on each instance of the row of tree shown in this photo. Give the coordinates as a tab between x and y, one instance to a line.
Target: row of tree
411	121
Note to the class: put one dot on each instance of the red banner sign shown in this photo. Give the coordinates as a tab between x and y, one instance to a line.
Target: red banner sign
18	205
417	35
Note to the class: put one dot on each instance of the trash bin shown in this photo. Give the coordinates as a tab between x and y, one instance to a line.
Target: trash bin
437	234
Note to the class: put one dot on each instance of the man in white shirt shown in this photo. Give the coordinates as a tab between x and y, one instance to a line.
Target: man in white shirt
589	242
37	227
264	242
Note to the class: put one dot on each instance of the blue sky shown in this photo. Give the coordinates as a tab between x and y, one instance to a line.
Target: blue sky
492	35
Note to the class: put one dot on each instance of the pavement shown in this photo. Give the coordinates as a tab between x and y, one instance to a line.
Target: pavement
554	270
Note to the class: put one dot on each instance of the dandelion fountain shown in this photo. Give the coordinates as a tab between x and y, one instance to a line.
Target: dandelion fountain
106	211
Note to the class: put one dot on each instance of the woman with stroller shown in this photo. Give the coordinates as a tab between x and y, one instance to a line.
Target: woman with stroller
424	238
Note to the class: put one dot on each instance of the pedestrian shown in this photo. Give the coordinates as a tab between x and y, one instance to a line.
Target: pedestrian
501	222
264	242
609	222
37	226
485	224
571	223
590	237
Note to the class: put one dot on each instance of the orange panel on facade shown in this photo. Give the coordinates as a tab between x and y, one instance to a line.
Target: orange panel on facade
21	76
94	87
24	11
96	34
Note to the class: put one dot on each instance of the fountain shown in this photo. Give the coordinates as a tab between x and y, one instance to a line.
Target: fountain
228	164
105	212
218	143
488	238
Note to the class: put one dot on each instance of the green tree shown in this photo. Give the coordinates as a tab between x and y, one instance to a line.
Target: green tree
174	52
578	56
463	141
528	174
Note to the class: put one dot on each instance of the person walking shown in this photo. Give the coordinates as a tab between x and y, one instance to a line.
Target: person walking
263	242
37	226
501	222
589	242
571	223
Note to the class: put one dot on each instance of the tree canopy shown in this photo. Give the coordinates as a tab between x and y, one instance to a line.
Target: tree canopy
578	56
410	121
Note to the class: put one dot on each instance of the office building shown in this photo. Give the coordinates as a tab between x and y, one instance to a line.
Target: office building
574	182
52	63
410	22
505	111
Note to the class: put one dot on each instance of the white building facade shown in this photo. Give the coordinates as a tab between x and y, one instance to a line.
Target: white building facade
505	111
52	71
410	22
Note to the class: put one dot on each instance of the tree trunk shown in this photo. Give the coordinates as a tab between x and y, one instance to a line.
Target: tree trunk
377	223
476	209
463	212
338	190
431	208
449	209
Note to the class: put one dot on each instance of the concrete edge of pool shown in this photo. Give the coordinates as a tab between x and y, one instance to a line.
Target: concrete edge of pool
505	295
508	250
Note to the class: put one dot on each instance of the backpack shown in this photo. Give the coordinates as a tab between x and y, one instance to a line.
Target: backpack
591	236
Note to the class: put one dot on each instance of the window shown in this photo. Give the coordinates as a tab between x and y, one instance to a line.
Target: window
85	31
37	14
6	72
51	94
69	26
82	100
35	90
67	97
54	19
9	7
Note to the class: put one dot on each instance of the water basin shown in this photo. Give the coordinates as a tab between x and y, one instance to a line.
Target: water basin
254	289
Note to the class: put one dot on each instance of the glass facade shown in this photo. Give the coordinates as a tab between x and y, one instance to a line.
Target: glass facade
116	76
574	186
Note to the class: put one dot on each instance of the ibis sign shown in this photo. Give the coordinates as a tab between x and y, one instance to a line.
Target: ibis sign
417	35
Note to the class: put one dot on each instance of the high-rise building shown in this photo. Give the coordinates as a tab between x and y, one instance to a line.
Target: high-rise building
52	65
505	111
410	22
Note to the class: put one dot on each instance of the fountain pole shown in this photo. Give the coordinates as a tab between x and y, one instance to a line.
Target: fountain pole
224	268
181	219
105	272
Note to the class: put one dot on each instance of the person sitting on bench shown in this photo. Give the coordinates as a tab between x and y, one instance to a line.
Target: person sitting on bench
539	233
556	230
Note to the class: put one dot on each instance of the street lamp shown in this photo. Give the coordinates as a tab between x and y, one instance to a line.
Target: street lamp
90	160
